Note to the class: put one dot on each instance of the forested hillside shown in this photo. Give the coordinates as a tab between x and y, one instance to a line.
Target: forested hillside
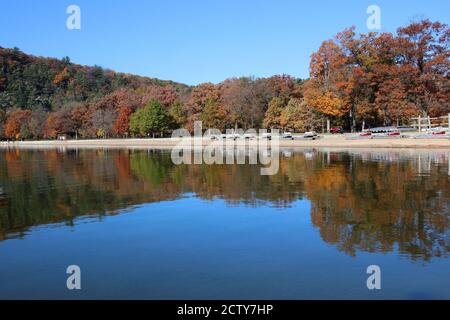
371	79
41	97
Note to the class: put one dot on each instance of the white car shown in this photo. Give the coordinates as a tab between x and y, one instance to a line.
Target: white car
288	135
233	136
310	134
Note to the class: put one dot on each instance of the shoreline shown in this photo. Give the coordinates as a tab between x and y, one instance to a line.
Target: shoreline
327	141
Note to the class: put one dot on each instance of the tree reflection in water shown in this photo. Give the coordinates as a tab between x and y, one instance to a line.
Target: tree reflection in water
360	200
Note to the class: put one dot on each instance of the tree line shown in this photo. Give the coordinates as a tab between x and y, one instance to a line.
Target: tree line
355	81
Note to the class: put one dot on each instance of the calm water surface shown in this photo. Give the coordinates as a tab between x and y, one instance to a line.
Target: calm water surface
141	227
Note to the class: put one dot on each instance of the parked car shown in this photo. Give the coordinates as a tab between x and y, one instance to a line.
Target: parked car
287	135
310	134
231	136
249	136
336	130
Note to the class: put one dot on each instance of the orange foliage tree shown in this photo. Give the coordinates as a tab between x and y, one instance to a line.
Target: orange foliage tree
328	74
16	123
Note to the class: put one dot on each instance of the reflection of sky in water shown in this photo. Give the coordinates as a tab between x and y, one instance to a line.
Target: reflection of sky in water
192	248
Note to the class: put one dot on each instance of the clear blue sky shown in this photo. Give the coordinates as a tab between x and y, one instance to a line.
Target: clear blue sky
197	41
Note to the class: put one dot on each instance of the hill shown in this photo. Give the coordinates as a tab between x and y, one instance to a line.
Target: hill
28	82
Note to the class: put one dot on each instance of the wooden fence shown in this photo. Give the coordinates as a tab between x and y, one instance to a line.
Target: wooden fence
428	123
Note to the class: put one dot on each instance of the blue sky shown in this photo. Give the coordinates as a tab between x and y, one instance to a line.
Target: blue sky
197	41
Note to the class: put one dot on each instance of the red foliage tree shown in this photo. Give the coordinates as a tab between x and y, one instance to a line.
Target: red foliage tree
166	95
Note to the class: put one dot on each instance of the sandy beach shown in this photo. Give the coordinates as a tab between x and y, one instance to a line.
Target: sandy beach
338	141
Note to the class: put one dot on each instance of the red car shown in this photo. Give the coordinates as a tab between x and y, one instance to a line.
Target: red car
336	130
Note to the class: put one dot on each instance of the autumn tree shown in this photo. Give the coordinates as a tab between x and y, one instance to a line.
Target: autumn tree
213	116
246	99
299	116
62	78
236	102
272	117
283	86
392	103
111	114
177	112
198	99
50	130
17	124
425	57
59	122
328	73
80	118
122	124
165	95
126	103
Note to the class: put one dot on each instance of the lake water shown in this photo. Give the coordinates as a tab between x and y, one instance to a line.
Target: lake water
140	227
